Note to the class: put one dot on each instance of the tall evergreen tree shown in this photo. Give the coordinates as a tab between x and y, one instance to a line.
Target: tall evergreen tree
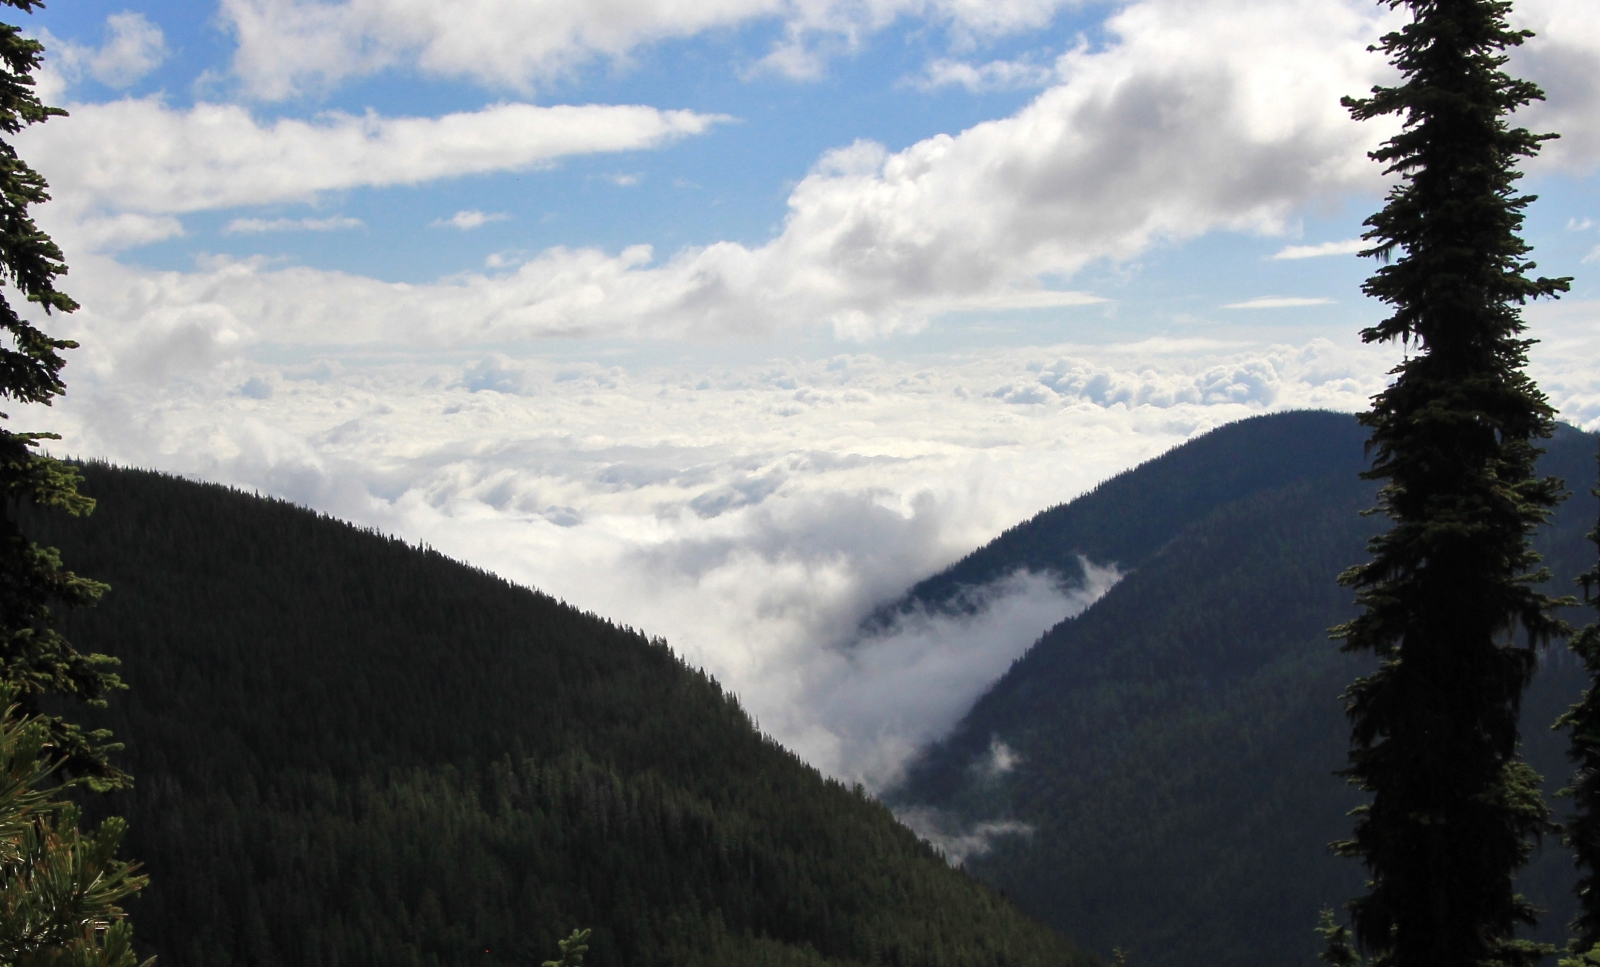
1450	607
33	655
1583	720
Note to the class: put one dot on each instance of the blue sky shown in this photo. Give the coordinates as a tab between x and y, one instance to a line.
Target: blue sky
731	318
855	71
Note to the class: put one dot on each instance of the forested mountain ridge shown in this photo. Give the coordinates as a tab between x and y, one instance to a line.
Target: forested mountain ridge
1172	748
1130	516
350	751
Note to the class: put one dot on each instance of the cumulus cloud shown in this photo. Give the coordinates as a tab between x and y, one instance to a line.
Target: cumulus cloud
1564	58
139	156
133	47
1177	126
1172	130
287	45
469	219
256	226
1563	360
108	233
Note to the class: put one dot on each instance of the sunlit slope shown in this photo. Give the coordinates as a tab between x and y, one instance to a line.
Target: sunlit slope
1175	744
349	751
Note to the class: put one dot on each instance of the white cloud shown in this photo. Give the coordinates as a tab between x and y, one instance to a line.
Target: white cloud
133	47
748	512
1278	302
1347	247
108	233
886	696
287	45
253	226
140	156
995	75
753	514
1563	360
469	219
1178	126
1564	58
954	840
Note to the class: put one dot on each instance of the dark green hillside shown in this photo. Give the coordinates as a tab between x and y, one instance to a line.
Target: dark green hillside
1177	740
1132	515
348	751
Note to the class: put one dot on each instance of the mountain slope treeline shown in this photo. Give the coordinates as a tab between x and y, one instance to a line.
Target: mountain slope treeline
350	751
1130	516
1173	747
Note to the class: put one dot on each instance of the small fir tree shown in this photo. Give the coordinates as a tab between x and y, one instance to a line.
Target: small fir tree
1583	720
572	950
33	655
1452	583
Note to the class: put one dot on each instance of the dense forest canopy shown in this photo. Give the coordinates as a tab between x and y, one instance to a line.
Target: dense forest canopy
1175	745
352	751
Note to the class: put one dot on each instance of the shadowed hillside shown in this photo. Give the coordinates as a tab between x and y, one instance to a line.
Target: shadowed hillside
349	751
1132	515
1173	747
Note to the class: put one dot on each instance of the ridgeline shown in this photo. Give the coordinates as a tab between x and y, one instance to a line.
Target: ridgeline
349	751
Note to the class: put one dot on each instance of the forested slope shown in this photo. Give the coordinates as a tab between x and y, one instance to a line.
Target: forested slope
349	751
1132	515
1175	743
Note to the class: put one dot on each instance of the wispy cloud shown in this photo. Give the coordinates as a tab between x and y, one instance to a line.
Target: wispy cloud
1347	247
469	219
1278	302
995	75
254	226
290	46
142	157
956	841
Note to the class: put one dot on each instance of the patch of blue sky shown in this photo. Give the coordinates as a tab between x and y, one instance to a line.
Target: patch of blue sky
730	184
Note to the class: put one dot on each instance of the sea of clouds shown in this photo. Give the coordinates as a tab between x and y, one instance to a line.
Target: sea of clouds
751	513
567	418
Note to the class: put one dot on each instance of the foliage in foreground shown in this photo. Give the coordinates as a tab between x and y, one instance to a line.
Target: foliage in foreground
60	888
34	656
1454	809
1205	671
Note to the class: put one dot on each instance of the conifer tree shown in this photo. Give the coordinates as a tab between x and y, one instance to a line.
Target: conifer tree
1583	719
1449	603
59	888
33	655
